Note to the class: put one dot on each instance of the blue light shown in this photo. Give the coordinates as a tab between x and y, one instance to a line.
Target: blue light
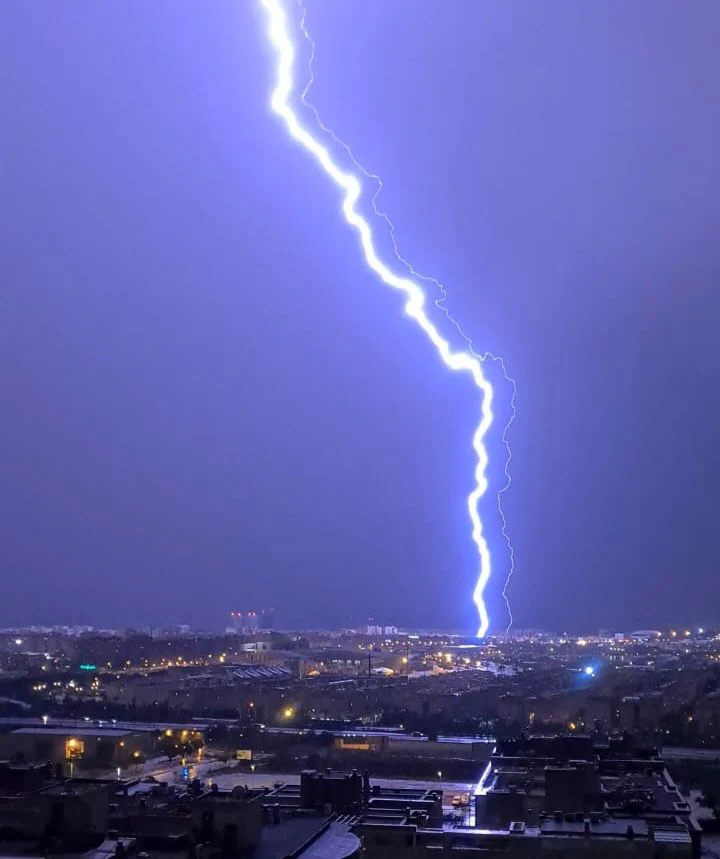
590	671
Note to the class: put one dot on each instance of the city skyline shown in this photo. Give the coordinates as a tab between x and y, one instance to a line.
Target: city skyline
232	626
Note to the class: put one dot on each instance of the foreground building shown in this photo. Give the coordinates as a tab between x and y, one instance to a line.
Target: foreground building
558	796
42	813
543	796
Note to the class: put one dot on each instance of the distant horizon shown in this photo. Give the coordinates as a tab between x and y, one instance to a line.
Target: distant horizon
682	629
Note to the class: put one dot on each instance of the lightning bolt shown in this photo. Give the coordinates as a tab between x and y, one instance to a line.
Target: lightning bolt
440	303
467	361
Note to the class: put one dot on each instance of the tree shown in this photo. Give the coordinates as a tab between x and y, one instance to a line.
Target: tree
168	746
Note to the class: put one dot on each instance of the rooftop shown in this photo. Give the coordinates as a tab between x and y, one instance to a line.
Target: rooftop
335	843
237	795
74	787
285	838
606	827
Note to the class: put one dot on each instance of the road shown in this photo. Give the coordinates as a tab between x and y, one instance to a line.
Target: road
164	770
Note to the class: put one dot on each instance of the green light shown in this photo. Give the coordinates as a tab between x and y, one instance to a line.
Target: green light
87	666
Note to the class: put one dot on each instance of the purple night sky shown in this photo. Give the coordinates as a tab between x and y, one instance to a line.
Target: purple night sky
209	403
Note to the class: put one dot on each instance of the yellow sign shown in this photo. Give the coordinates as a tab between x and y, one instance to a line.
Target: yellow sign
357	746
243	754
74	749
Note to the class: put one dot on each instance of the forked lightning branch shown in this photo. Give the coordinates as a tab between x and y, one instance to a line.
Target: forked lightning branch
350	189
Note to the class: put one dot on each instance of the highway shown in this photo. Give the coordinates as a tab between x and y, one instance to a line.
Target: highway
392	734
680	753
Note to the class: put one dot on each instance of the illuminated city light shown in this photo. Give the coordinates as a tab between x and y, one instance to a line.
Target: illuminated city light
466	361
589	670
